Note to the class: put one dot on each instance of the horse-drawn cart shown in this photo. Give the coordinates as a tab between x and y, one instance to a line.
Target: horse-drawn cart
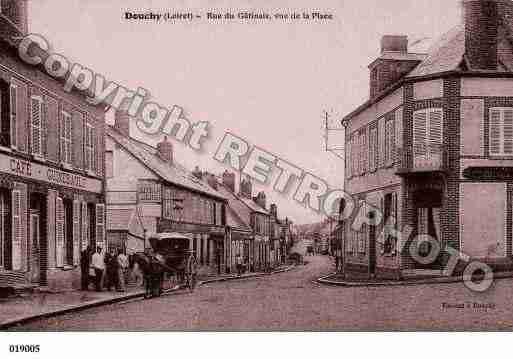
169	256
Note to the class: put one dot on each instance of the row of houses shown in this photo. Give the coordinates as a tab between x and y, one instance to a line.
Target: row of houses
68	180
433	148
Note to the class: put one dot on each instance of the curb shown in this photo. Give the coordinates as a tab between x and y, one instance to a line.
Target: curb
100	302
407	282
248	276
69	309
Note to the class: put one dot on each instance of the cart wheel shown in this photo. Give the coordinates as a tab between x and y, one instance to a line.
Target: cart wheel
190	273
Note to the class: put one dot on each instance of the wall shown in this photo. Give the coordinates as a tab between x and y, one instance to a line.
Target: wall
483	226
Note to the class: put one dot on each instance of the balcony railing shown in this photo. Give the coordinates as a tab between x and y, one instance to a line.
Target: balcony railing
422	160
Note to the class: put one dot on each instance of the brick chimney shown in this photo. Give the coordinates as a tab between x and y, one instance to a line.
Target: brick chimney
122	122
482	20
229	180
246	188
17	12
394	62
260	199
211	180
165	150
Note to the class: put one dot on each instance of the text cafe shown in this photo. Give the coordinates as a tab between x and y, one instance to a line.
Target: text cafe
48	215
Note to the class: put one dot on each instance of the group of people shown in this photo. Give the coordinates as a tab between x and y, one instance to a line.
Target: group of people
109	270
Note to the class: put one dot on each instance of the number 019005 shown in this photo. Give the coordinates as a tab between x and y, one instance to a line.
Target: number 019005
24	348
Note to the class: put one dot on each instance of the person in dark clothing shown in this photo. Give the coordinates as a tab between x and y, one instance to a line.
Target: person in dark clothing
85	263
111	264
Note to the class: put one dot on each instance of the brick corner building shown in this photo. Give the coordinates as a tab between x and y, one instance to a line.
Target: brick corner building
433	147
51	169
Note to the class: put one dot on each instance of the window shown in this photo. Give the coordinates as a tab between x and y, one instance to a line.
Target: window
36	120
149	191
389	142
427	132
173	204
373	149
13	90
501	131
65	134
109	164
90	148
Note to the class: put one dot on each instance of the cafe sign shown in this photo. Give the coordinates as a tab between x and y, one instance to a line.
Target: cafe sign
38	172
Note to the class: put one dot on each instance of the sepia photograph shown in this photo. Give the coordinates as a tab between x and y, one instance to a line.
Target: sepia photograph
254	167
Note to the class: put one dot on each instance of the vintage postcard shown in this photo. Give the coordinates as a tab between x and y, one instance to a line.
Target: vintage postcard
255	166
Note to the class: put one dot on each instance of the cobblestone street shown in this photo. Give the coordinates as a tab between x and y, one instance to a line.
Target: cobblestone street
292	301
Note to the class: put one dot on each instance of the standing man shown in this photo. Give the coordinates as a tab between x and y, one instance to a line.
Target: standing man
122	270
85	263
99	266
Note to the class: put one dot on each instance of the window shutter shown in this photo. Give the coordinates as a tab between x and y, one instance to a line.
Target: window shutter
17	239
495	131
419	133
390	142
50	228
62	131
381	143
365	152
373	139
14	115
435	131
85	226
100	225
36	112
508	131
76	232
76	139
94	149
59	233
22	114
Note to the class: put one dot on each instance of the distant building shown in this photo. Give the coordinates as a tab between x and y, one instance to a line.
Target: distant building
433	146
148	188
247	212
51	168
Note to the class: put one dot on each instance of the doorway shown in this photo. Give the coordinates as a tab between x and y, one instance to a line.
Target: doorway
35	245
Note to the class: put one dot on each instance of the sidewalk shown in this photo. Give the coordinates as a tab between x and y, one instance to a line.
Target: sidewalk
335	279
37	305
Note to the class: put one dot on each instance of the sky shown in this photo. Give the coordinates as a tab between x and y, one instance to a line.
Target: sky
266	82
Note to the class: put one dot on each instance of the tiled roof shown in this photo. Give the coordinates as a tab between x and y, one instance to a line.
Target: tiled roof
392	55
254	207
237	214
445	55
175	173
